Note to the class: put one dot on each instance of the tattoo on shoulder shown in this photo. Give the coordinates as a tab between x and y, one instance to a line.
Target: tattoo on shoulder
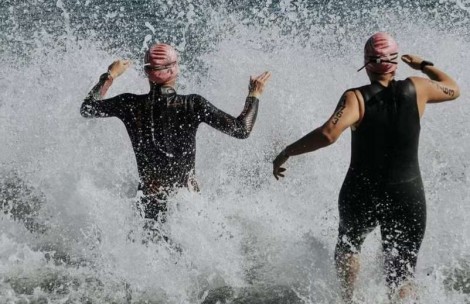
444	89
339	110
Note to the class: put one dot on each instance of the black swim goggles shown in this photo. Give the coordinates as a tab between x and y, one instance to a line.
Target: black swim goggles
149	67
381	59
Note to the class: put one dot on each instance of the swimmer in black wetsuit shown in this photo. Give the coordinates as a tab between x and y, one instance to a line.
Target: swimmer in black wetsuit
383	185
162	124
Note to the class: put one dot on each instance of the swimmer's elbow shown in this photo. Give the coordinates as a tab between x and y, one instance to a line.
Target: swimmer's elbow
328	137
243	135
85	113
244	131
456	92
85	110
452	90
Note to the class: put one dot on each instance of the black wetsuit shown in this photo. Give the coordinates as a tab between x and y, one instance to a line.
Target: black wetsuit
162	128
383	185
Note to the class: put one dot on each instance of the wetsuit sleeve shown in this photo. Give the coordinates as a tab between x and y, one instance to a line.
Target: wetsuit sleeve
95	106
239	127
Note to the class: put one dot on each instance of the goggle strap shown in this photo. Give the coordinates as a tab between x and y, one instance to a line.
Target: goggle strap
378	59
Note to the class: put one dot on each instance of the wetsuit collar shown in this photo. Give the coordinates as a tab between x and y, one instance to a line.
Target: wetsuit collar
163	90
380	84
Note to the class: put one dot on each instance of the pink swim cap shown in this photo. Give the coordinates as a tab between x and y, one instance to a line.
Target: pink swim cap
381	54
161	63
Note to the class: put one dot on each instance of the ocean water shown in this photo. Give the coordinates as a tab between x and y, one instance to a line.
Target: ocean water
69	232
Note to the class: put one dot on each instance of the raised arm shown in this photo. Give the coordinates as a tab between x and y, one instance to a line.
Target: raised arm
94	105
438	88
241	126
346	114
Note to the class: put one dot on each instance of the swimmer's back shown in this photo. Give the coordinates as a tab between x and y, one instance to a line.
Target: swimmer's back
385	144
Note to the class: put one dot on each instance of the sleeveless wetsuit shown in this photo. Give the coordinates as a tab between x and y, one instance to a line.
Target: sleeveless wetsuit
383	185
162	128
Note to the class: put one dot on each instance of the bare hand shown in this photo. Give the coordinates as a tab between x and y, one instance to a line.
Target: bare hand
118	67
257	84
277	163
413	61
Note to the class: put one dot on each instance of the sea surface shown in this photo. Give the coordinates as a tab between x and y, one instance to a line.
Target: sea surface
69	231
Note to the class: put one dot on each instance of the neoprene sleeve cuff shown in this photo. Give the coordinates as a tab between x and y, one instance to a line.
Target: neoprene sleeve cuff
252	99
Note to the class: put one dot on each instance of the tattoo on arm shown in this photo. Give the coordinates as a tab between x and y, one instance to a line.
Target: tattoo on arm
444	89
339	110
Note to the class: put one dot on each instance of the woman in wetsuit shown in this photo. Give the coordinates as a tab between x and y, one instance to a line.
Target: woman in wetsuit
383	186
162	124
